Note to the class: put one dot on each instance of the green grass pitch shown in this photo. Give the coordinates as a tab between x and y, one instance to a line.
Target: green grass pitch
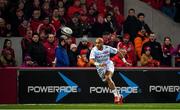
129	106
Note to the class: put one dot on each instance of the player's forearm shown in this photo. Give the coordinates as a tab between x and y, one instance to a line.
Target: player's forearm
122	53
92	62
122	57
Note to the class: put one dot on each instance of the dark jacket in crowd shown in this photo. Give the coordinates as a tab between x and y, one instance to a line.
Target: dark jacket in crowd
73	58
131	26
177	56
77	30
156	51
98	29
83	47
145	26
37	53
167	55
25	43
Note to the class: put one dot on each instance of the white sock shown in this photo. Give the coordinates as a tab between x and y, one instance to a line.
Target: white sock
115	92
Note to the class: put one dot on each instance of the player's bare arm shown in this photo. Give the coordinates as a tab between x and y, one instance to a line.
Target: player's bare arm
92	62
121	54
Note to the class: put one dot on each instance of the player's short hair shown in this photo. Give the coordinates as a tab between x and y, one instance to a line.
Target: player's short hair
101	39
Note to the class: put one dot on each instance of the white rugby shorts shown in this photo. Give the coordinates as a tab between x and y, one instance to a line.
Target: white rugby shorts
102	70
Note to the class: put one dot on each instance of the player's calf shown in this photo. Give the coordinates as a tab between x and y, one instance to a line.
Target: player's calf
120	99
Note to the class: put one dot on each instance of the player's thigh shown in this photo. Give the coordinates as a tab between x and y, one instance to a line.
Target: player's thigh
109	70
101	72
110	67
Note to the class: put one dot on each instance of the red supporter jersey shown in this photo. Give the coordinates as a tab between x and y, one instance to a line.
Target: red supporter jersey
56	23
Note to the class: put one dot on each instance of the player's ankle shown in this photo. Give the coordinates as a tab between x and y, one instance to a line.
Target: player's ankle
116	99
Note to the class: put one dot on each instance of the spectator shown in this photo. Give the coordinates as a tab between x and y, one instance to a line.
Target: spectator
37	4
168	8
100	5
19	17
37	51
55	19
113	40
73	55
108	5
92	13
117	61
129	48
8	45
28	62
89	2
7	59
64	19
76	26
119	20
46	10
69	41
156	50
68	3
86	26
76	8
47	27
140	39
26	42
106	37
30	6
177	56
3	28
4	8
53	3
35	21
147	59
82	60
142	24
60	4
84	9
23	27
110	22
167	50
50	46
61	56
43	36
131	25
84	45
99	27
21	4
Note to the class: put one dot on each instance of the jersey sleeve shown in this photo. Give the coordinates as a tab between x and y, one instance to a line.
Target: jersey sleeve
92	54
113	50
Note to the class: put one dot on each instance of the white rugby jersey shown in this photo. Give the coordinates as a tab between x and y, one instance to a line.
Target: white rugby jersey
102	56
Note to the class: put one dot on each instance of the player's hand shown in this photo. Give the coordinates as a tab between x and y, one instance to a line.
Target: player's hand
102	65
128	64
123	51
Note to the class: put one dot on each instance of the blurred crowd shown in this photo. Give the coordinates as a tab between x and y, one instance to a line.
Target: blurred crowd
169	7
47	16
49	29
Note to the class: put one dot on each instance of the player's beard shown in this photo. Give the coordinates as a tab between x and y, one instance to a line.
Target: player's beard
100	47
